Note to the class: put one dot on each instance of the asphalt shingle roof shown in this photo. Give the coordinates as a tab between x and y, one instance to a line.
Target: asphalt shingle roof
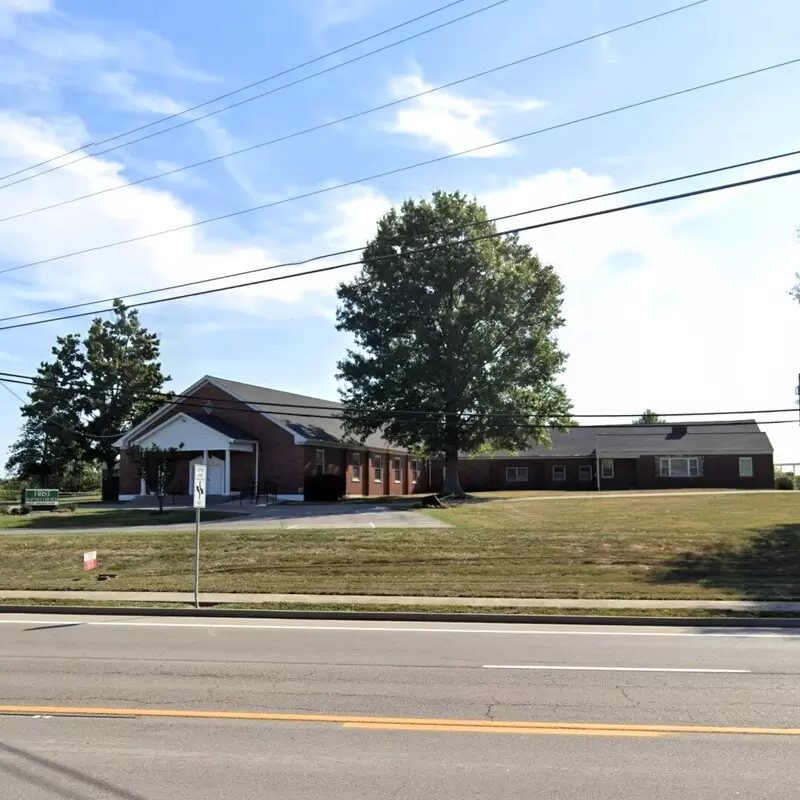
316	425
324	425
221	426
709	438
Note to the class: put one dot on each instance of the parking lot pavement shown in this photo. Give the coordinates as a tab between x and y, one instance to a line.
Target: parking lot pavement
290	516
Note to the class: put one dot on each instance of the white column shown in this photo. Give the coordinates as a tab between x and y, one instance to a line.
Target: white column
142	487
226	487
597	472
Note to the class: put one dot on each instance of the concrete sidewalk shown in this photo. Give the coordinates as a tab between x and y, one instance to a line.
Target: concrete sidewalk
771	606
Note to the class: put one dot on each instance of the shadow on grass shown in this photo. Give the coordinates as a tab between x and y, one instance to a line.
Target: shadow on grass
767	567
113	518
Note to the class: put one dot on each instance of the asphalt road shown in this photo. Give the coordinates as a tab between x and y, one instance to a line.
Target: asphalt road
465	710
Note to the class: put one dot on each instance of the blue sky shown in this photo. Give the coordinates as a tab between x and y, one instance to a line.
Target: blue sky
682	307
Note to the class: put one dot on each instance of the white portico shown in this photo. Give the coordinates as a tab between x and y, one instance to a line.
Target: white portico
205	440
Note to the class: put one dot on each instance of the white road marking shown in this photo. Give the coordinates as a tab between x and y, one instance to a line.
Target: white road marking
609	669
391	630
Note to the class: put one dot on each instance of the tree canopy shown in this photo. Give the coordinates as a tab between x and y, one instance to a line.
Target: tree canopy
649	417
455	347
94	388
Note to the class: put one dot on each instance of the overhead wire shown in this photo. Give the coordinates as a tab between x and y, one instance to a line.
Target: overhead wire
397	170
442	232
55	422
430	248
349	117
200	402
283	86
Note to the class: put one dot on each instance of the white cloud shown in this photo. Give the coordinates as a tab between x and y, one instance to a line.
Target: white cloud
676	326
450	121
330	13
123	89
187	255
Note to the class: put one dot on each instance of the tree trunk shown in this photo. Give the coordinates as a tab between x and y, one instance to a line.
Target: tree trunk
450	482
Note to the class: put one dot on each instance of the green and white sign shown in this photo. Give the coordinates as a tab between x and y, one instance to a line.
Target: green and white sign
40	497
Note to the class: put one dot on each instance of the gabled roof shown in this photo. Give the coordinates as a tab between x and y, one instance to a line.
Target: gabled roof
316	425
706	438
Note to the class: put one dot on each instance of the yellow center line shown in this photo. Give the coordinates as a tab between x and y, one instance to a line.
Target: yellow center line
481	728
402	723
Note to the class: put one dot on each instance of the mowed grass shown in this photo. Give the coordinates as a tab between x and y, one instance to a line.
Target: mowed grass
108	518
677	546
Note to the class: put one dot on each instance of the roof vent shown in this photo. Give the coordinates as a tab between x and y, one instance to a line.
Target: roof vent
678	431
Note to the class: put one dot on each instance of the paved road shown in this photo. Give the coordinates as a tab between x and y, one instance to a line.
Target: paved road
302	698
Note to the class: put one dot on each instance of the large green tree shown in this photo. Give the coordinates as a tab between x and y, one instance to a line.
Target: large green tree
93	389
49	441
121	375
455	348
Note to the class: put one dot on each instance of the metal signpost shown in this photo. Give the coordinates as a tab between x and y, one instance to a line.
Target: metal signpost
199	501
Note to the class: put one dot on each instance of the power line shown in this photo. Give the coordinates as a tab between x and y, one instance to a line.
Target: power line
254	97
386	417
589	215
442	232
398	170
58	424
349	117
33	380
231	93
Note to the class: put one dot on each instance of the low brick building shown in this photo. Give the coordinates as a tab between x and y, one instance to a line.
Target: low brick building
710	455
250	435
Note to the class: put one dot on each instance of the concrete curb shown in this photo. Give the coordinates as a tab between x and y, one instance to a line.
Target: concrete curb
410	616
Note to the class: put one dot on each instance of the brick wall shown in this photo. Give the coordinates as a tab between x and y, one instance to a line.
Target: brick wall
280	460
718	472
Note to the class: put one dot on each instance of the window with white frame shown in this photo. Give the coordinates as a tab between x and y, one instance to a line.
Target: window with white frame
355	467
746	467
559	473
516	474
415	470
397	468
607	468
319	461
679	467
377	468
585	472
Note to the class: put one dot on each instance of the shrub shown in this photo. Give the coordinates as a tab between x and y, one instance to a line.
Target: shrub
784	481
5	509
24	510
71	508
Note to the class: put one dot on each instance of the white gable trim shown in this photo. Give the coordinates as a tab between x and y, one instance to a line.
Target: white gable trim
188	432
206	379
124	439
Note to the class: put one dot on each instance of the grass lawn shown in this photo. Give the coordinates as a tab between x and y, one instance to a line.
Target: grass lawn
677	546
107	518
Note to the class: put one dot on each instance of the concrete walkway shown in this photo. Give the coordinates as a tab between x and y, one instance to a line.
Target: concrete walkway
771	606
